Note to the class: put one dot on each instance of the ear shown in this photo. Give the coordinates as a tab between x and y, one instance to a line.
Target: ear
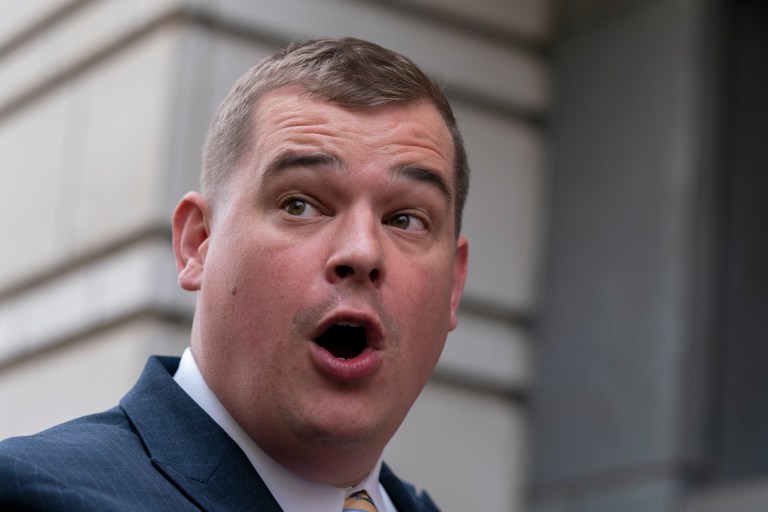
190	239
459	277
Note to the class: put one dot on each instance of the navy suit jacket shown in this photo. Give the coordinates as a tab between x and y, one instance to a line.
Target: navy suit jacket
158	450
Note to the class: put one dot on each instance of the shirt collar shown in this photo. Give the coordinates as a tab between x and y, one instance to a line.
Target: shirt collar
293	493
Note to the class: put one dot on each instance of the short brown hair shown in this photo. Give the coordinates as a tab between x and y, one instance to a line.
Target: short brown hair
352	73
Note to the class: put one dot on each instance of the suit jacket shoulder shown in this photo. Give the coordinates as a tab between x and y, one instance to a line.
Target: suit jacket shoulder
156	451
95	461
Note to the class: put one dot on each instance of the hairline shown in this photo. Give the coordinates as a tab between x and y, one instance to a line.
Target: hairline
355	74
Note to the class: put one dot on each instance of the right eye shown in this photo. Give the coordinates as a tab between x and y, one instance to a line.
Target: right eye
298	207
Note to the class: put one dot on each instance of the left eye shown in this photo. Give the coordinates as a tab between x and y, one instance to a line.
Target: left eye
406	222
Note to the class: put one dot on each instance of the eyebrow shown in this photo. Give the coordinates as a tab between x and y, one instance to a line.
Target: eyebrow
427	176
292	159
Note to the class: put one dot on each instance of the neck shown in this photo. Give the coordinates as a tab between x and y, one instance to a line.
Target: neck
326	465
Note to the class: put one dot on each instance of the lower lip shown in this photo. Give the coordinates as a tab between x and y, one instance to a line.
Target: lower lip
360	367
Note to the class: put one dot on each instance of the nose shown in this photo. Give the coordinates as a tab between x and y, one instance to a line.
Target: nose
356	250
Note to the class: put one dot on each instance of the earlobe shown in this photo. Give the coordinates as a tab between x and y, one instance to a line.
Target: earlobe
190	239
459	278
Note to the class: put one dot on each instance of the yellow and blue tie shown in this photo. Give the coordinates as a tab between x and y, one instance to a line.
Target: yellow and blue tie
359	502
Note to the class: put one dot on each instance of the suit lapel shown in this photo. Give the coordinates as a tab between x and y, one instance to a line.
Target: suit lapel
189	448
404	495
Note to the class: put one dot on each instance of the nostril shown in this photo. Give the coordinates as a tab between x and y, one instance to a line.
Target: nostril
344	271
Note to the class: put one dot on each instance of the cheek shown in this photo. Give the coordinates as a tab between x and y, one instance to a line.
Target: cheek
267	285
424	306
258	263
236	282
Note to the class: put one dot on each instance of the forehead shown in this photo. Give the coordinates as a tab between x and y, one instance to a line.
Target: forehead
292	118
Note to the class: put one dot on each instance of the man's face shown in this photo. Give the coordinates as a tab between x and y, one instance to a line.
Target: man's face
330	273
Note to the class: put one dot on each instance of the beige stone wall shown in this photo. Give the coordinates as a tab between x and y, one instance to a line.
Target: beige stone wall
103	108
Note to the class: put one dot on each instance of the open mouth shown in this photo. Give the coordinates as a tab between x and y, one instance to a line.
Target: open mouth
345	340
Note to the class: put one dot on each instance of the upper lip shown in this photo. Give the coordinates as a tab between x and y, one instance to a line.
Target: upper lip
374	332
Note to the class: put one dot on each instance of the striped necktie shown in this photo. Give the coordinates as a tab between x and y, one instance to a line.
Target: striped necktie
359	502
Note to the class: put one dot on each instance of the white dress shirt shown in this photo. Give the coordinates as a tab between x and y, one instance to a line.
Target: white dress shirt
293	493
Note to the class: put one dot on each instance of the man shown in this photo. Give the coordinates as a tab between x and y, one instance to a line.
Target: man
324	248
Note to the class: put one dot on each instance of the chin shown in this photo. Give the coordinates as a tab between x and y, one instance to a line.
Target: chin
340	432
